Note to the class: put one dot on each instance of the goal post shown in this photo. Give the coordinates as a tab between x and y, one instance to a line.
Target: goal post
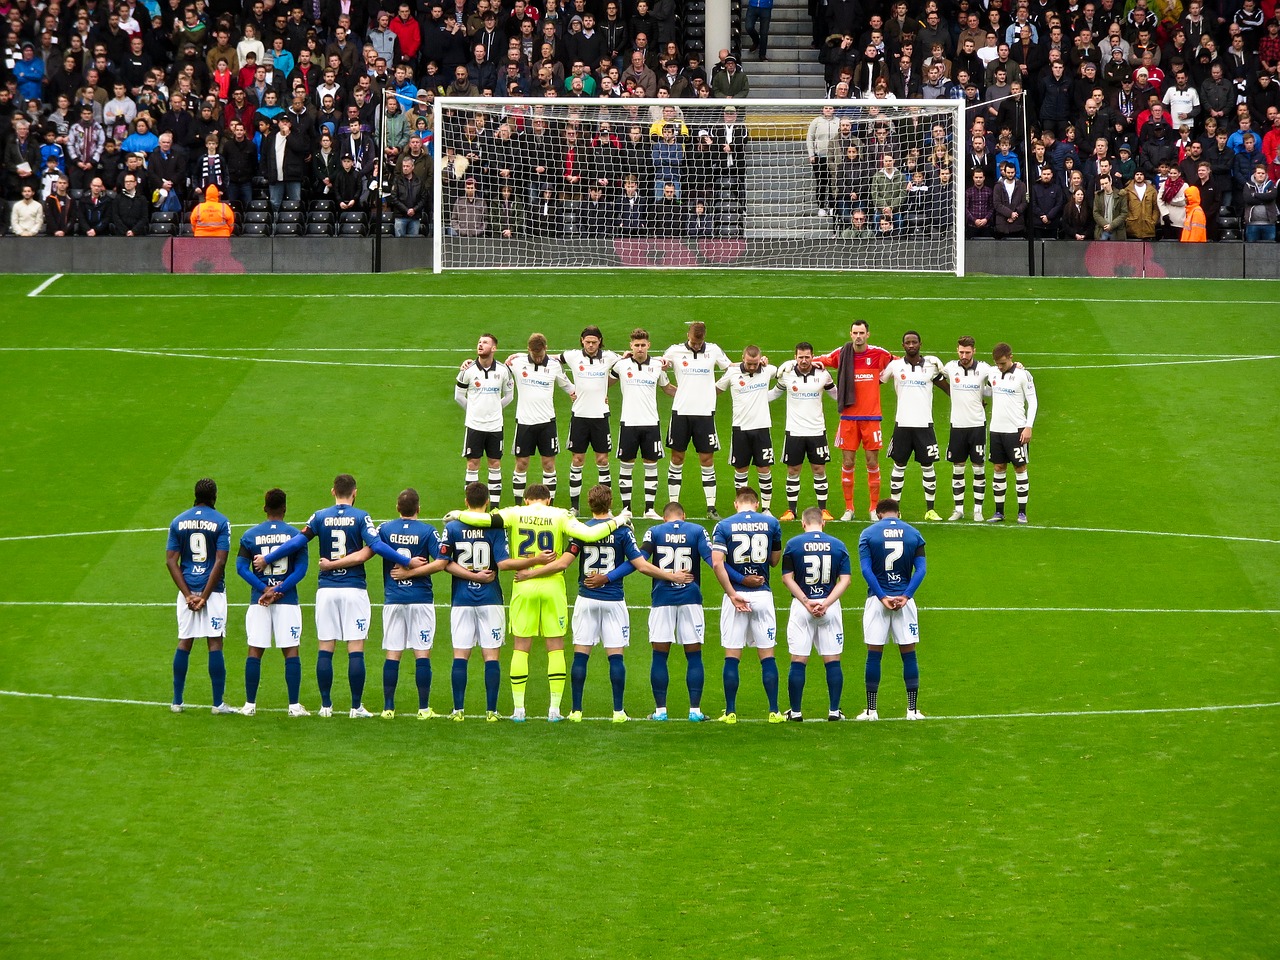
747	184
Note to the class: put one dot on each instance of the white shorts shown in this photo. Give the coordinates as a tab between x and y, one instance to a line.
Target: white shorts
342	613
759	628
281	621
209	621
806	632
684	624
410	626
485	626
878	623
601	621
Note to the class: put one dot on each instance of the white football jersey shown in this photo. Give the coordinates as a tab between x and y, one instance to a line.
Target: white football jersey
1013	399
483	393
804	394
639	383
695	378
590	380
750	395
914	385
536	382
968	388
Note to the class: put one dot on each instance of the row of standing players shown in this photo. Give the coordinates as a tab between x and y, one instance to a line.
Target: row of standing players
539	542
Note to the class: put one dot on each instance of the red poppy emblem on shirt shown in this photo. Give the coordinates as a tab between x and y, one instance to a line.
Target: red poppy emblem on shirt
630	374
795	389
684	363
581	368
477	383
957	379
742	383
524	373
904	376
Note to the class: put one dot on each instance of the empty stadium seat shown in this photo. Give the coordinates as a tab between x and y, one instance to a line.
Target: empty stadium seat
291	205
289	216
291	228
185	229
258	216
257	229
164	229
351	216
351	230
320	216
164	216
321	204
319	229
260	205
388	229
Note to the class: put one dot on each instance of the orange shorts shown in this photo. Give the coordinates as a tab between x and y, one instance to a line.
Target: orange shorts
859	433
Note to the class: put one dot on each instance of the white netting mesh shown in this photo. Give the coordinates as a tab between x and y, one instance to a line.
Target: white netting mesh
644	183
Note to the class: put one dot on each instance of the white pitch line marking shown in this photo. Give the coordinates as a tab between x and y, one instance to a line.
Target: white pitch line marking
464	349
45	286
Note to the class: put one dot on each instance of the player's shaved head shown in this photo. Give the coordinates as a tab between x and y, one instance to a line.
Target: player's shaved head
408	503
273	504
673	511
206	492
750	350
600	498
811	518
344	485
538	491
477	495
745	496
886	507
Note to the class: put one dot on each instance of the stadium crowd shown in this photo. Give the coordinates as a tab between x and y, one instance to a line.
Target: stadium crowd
1143	119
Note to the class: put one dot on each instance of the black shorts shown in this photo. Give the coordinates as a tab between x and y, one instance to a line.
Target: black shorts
1005	448
589	433
967	443
920	441
701	431
482	443
539	438
645	441
795	450
751	447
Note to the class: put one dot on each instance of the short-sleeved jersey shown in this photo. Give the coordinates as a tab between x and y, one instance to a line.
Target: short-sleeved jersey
342	529
536	388
639	383
695	378
747	540
677	546
968	388
484	391
750	395
197	535
804	392
409	538
1013	399
892	546
867	366
604	556
590	381
261	540
476	549
914	386
816	560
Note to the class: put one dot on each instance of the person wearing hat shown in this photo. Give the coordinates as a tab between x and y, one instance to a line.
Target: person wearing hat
730	83
730	140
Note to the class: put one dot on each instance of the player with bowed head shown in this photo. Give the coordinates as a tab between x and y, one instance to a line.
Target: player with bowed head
1013	413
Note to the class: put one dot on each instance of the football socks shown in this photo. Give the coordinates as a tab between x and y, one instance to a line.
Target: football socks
519	676
769	676
324	676
555	676
872	676
422	675
217	675
390	677
730	684
355	678
252	677
492	682
458	681
578	678
659	678
695	676
293	678
911	677
795	684
617	679
835	683
181	658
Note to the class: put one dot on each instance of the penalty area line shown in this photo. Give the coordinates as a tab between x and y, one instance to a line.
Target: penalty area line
45	286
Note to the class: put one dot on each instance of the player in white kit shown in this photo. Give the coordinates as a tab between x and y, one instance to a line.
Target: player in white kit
483	388
966	384
747	383
693	412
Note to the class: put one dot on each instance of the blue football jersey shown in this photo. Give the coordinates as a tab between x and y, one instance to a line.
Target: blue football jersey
342	529
261	540
816	560
410	538
604	556
891	547
197	535
747	540
677	546
476	549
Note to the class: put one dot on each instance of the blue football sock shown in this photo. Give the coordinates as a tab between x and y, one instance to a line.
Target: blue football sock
180	660
422	674
835	684
492	683
355	678
578	678
873	669
252	677
911	670
730	685
217	675
390	677
458	680
795	684
695	677
293	678
769	674
617	679
659	678
324	676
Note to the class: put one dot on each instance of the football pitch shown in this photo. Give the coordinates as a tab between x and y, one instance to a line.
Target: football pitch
1097	777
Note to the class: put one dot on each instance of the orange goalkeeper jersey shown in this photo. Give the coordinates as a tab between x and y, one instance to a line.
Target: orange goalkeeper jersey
866	381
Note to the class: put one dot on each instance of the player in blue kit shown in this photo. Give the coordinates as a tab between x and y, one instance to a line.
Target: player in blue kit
273	614
600	613
408	609
891	554
342	596
196	555
749	542
476	618
816	569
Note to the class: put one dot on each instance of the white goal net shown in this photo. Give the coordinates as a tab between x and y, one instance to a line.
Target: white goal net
793	184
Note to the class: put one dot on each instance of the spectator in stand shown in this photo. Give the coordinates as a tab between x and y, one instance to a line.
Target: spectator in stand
93	213
1047	201
1242	167
1171	200
1109	210
1260	214
730	83
407	200
1193	227
131	210
212	217
978	207
469	216
84	149
26	218
348	185
1009	204
285	162
212	170
167	167
1142	212
1077	217
60	210
239	165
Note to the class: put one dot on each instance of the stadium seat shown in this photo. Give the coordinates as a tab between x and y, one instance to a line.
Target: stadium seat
317	205
350	230
388	230
1228	227
76	194
260	205
289	216
164	229
257	229
185	229
317	229
351	216
320	216
164	216
258	216
290	228
291	205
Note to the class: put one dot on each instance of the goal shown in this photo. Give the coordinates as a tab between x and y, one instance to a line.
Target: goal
748	184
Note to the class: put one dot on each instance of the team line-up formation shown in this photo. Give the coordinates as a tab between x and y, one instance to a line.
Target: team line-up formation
538	542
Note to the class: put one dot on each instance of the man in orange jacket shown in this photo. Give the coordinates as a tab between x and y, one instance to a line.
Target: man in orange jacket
1193	227
213	218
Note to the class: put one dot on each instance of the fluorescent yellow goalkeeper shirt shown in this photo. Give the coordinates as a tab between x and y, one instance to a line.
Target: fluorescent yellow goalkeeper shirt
538	527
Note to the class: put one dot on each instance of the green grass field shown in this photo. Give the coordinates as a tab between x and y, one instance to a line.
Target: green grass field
1098	776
